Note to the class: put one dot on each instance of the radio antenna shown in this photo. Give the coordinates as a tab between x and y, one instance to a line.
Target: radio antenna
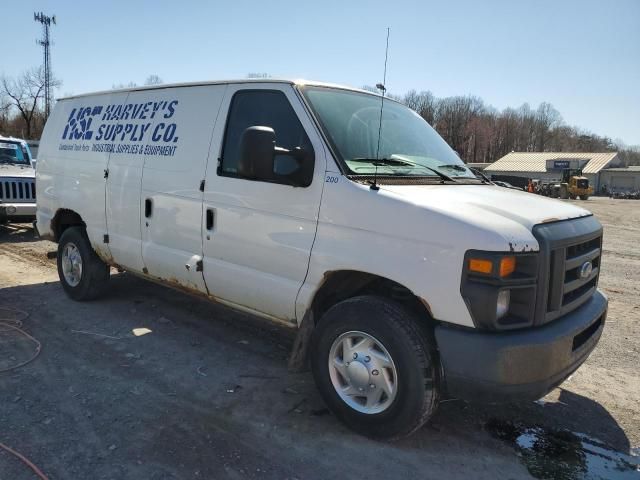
382	87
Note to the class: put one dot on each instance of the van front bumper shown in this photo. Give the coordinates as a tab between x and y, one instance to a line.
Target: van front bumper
516	365
17	211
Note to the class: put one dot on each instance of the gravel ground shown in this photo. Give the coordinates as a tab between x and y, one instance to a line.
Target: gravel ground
206	393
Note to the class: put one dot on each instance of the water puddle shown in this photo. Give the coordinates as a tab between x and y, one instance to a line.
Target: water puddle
564	455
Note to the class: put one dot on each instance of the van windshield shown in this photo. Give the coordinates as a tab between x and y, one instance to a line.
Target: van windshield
408	145
11	152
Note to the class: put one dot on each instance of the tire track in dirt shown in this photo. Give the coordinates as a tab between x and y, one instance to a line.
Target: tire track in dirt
30	255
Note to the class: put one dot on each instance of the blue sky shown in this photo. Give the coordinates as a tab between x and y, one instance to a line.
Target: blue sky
583	56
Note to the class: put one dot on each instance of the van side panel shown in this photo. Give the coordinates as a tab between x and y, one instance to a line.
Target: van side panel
257	252
172	232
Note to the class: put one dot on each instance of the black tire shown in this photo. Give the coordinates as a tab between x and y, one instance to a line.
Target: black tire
95	273
412	348
584	197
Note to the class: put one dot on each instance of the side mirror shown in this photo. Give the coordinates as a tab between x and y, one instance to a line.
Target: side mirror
257	149
257	159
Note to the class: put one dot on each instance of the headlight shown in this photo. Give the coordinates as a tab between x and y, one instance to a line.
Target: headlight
500	288
502	304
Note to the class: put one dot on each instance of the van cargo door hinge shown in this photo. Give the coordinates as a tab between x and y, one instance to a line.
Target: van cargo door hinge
202	185
105	239
106	173
199	266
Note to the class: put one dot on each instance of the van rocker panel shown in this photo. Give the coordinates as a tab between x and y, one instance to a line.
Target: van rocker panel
518	365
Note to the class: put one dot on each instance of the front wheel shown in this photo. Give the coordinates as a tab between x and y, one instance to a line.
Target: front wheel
82	274
376	367
584	197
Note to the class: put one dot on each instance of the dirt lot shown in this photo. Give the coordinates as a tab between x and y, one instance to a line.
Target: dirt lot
206	393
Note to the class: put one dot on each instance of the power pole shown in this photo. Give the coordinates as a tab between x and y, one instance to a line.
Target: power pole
45	42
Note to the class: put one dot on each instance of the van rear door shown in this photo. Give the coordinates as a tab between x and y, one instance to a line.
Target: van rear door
258	234
175	160
72	164
123	178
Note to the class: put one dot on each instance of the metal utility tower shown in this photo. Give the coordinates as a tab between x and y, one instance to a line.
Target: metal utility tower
46	22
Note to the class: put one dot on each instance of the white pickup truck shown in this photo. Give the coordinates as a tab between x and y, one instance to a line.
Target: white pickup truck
408	277
17	181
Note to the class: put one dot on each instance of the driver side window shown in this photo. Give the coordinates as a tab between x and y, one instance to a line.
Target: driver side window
267	108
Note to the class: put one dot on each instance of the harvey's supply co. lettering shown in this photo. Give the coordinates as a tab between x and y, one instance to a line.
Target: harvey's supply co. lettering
131	128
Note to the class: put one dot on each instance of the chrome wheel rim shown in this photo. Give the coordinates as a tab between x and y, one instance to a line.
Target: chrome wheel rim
362	372
71	264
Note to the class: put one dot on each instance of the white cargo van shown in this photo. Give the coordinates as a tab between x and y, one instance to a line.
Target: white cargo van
408	277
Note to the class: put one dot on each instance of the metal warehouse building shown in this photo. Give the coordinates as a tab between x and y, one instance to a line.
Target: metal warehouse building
518	167
621	179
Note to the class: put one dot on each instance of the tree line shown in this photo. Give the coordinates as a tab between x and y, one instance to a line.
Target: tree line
477	131
22	102
480	133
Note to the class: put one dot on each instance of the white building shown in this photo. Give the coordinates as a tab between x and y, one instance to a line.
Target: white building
518	167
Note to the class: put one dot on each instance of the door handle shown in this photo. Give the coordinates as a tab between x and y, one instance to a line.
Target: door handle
148	207
210	218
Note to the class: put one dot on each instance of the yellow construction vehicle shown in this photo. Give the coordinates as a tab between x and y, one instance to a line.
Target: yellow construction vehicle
574	185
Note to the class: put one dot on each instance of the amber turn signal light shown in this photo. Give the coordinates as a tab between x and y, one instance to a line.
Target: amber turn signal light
479	265
507	266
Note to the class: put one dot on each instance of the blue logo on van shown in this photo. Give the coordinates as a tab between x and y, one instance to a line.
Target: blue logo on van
122	128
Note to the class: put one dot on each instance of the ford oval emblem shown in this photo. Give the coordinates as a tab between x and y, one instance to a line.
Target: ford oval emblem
586	269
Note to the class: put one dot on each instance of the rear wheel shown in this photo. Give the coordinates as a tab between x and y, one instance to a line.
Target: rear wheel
584	197
82	274
375	367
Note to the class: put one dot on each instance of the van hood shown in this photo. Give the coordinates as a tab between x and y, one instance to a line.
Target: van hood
16	171
487	206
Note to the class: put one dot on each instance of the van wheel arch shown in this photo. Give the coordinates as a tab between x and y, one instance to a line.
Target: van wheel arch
63	219
344	284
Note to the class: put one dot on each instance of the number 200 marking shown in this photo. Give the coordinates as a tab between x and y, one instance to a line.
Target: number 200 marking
331	179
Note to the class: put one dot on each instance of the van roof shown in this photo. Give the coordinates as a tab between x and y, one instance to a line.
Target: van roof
217	82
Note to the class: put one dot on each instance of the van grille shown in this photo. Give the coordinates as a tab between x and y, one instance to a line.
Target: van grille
574	287
571	253
18	191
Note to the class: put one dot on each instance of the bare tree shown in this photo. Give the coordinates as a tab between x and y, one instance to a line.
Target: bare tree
5	109
424	103
24	94
153	80
118	86
546	119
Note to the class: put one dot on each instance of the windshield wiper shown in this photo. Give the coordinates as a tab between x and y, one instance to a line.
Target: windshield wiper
481	175
380	161
454	166
440	174
461	168
401	163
